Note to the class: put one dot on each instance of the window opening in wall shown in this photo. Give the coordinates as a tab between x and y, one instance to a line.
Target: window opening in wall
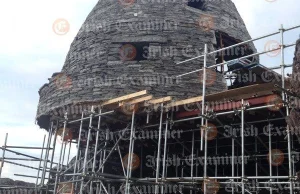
223	41
198	4
136	51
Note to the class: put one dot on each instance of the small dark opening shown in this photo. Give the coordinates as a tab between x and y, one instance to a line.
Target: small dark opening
137	51
198	4
235	68
224	40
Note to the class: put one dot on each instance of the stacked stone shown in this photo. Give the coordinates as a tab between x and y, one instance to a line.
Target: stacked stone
171	31
293	120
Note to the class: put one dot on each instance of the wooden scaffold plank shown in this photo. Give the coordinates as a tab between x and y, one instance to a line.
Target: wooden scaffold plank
184	102
136	101
124	98
160	100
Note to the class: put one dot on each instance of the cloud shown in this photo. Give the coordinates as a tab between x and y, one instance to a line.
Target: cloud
264	17
30	52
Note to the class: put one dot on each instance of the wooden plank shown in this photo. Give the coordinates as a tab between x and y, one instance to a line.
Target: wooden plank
246	92
160	100
65	188
184	102
242	93
136	101
124	98
234	94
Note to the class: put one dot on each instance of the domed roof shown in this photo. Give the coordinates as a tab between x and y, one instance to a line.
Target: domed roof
126	46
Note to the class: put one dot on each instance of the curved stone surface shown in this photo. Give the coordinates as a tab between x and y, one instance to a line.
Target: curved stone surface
293	119
99	66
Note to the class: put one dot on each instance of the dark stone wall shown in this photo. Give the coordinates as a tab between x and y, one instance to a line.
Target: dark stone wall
295	84
293	120
172	32
12	186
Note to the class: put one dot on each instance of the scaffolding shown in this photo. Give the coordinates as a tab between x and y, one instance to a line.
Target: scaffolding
88	171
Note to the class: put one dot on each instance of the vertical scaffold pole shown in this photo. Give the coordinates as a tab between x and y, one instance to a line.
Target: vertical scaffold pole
121	159
87	148
42	153
78	147
256	164
282	60
60	154
165	151
127	187
53	152
3	153
216	153
287	108
158	147
46	155
270	156
64	153
192	158
205	157
100	163
291	163
132	151
243	145
103	155
203	93
96	148
69	151
232	160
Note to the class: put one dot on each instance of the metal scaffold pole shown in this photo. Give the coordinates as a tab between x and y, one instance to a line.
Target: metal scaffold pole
192	158
129	165
87	149
203	93
281	30
291	163
165	153
69	152
289	138
205	157
158	147
256	164
78	148
243	144
232	160
46	156
53	153
270	155
3	153
103	156
60	155
96	149
64	144
38	174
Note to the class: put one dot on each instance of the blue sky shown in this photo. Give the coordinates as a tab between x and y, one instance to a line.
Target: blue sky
30	52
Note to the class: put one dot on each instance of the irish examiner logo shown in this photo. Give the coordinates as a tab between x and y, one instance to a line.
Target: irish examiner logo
61	26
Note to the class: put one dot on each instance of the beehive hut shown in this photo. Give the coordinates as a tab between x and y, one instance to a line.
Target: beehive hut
128	46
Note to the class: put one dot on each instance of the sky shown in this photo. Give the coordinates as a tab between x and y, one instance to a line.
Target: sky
31	51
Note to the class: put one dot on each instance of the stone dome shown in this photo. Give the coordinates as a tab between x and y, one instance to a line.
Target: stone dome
127	46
